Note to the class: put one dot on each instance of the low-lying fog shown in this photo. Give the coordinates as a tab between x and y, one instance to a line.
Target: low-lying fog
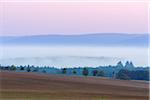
72	56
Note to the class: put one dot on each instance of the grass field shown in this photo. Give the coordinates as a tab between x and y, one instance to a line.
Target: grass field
34	86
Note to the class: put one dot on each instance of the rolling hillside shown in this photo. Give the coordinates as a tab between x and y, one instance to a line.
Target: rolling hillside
34	86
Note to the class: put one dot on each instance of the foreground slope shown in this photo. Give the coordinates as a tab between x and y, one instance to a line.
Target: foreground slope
34	86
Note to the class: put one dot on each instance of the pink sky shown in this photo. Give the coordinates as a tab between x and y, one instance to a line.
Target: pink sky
34	18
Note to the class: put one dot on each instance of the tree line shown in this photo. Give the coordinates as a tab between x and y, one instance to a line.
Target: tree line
117	72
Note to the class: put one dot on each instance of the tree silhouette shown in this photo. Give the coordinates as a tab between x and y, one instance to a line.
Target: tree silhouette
74	72
28	69
13	67
85	72
21	68
95	72
64	70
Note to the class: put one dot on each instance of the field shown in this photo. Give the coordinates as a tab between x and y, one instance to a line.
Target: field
34	86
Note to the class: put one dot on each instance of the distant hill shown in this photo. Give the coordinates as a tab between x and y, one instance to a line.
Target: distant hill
86	40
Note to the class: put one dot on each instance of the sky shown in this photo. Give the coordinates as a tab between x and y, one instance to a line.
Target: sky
36	17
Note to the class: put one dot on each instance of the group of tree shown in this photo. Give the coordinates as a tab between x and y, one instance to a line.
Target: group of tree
27	68
120	71
98	73
128	65
133	75
64	71
11	68
85	72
